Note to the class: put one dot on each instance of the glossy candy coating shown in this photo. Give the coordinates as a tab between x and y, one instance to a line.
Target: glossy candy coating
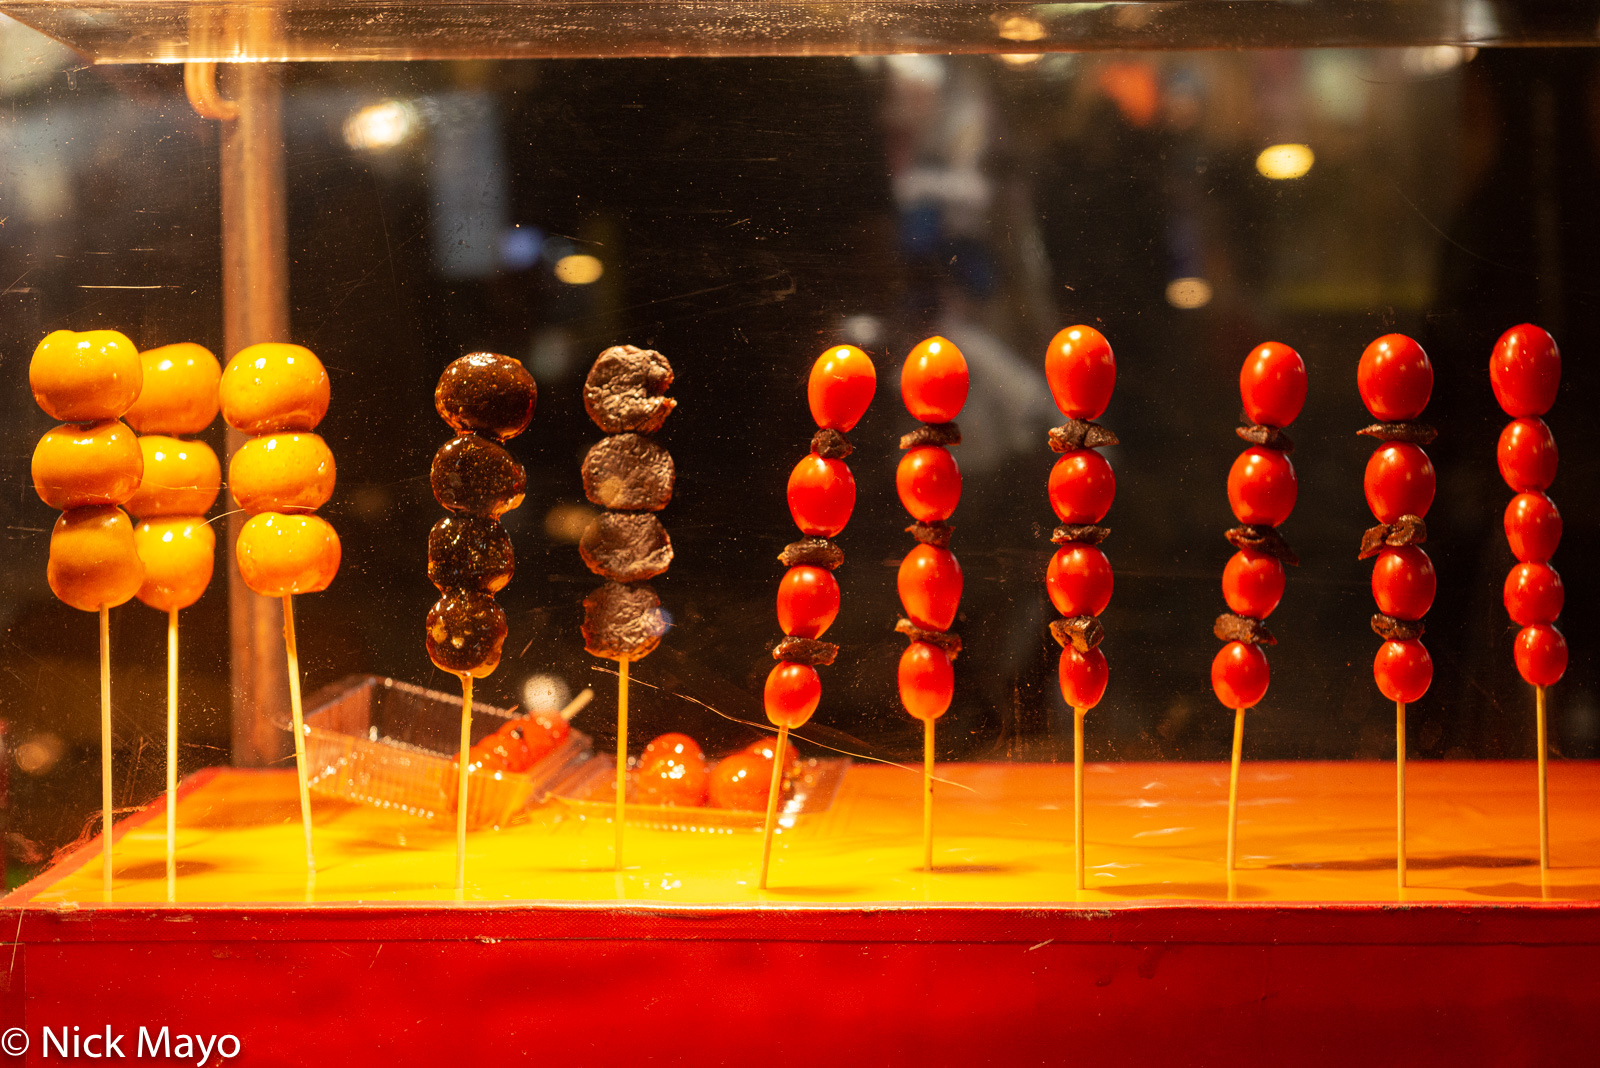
766	748
822	494
1083	677
741	781
929	483
473	475
1533	593
506	749
1533	527
840	388
488	394
273	387
1082	487
791	694
93	559
1404	582
1081	371
673	745
1252	584
1402	670
465	631
1079	580
1541	655
1525	371
180	390
1527	455
1272	384
1240	675
929	582
179	554
808	601
79	465
927	681
282	473
1399	480
1262	487
1395	379
672	771
470	552
85	377
181	477
934	381
282	554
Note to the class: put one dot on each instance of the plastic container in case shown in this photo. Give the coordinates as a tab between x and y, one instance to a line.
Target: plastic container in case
394	745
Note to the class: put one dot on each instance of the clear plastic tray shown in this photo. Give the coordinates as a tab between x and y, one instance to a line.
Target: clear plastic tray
390	744
590	793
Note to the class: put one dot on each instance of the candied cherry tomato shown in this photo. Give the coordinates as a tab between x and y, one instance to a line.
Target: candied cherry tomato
1272	384
1262	487
933	382
1239	675
1079	580
1082	372
1083	677
741	781
1252	584
842	384
76	465
178	553
672	771
94	559
282	554
766	748
1395	378
808	601
1541	655
282	473
1527	455
1533	594
272	387
929	483
671	746
927	680
180	390
86	377
930	586
1525	370
1082	487
822	494
1404	582
792	693
181	477
1402	670
1399	481
1533	527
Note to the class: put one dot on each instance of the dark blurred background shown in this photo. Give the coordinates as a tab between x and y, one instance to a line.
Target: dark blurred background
741	215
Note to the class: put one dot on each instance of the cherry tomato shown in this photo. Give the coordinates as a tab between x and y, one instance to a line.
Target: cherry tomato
1240	674
1272	384
672	771
1541	655
1404	582
509	746
1403	670
842	384
930	587
808	601
741	781
929	483
822	494
1533	527
671	746
1399	481
1527	455
1082	487
1252	584
1533	594
927	680
1262	487
933	382
1079	580
1081	371
766	748
1395	379
792	693
1525	371
1083	677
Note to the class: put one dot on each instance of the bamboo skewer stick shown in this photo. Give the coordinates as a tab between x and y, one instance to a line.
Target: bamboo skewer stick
927	795
622	755
1077	791
461	787
772	801
1400	791
1233	787
172	755
105	749
1544	778
295	715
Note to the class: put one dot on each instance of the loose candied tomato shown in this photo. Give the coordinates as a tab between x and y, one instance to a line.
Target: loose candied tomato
1240	675
1404	582
1272	384
930	586
672	771
1081	371
1395	378
1527	455
1262	487
1402	670
741	781
1525	370
511	745
1252	584
1533	594
934	381
1079	580
674	745
1082	487
1533	527
766	748
929	483
927	680
1541	655
822	494
1083	677
1399	480
808	601
792	693
841	387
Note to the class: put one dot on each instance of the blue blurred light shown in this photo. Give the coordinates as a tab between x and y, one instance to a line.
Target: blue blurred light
520	247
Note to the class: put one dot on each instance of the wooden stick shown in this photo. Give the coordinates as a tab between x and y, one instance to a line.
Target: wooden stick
772	801
622	754
1233	786
1544	779
1077	790
105	749
292	648
1400	791
461	786
577	704
927	795
172	755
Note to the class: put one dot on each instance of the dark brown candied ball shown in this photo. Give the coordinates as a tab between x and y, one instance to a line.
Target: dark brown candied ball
486	393
624	390
470	552
465	632
622	622
626	546
628	473
472	474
